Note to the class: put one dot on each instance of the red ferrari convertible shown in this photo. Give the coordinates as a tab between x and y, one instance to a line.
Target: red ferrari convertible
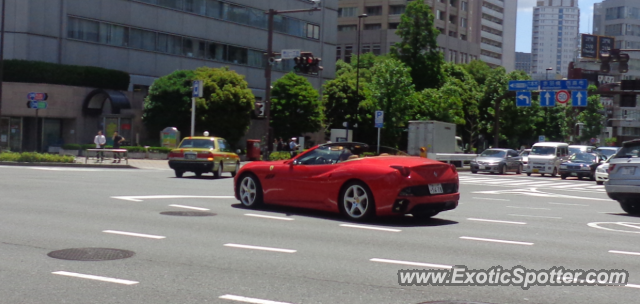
334	177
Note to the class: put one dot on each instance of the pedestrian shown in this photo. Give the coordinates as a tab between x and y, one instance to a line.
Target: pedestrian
293	146
280	144
100	141
117	139
275	145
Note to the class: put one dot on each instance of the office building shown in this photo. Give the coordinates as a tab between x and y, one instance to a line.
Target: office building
523	62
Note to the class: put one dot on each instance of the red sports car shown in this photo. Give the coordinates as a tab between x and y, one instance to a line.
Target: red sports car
334	177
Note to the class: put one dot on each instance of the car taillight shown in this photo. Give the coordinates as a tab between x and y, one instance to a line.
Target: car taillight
404	171
210	156
172	154
611	167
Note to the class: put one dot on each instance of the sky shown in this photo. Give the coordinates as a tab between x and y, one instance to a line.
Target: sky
525	21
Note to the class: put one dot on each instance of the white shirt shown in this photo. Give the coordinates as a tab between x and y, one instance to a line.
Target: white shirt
100	140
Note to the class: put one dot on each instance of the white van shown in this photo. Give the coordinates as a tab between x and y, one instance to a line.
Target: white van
546	157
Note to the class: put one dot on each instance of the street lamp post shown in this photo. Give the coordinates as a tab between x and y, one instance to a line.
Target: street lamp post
2	52
358	66
548	69
546	109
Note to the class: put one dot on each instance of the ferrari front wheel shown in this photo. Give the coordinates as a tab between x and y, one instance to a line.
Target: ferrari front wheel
250	191
356	201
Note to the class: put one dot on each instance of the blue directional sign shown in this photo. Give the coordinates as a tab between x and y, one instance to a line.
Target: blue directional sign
197	88
379	119
523	85
547	98
523	99
572	84
579	98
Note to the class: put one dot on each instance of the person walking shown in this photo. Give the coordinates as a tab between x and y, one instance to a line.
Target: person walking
100	141
117	139
293	146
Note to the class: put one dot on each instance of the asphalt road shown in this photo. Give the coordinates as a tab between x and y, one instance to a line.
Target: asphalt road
535	222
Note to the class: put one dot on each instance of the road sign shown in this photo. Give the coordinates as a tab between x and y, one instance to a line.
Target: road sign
39	105
289	54
197	88
541	138
547	98
523	99
37	96
572	84
579	98
562	96
379	119
523	85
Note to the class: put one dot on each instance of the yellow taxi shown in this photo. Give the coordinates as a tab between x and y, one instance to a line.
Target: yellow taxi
204	154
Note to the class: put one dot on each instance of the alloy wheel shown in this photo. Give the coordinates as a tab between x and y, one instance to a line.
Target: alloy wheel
356	201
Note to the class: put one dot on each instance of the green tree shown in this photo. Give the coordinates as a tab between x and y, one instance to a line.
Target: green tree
591	116
419	47
295	107
224	110
342	102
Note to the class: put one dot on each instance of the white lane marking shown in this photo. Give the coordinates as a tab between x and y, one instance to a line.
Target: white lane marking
566	186
411	263
624	252
189	207
491	199
261	248
370	227
495	241
537	193
595	187
569	204
624	224
142	198
270	217
532	208
135	234
632	285
496	221
93	277
549	217
249	300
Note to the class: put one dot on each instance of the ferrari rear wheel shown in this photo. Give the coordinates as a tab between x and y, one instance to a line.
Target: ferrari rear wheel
356	201
250	191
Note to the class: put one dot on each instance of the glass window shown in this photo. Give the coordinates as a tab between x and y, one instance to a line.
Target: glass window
223	145
346	28
217	51
238	55
347	12
396	9
255	58
375	26
214	9
83	29
313	31
257	18
543	150
169	44
376	49
295	27
493	153
114	34
195	6
393	25
197	143
235	13
366	49
177	4
325	156
193	48
348	51
374	10
143	40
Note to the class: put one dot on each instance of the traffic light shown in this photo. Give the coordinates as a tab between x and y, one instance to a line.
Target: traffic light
623	66
605	58
315	66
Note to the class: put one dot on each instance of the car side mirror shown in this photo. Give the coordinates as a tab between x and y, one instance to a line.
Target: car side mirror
238	151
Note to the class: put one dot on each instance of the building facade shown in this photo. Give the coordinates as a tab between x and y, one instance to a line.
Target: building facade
523	62
555	40
153	38
469	29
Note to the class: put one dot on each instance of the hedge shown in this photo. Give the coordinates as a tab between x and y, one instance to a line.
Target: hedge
280	155
32	157
72	75
130	149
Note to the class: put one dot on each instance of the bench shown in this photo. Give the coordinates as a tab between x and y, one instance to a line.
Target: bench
123	151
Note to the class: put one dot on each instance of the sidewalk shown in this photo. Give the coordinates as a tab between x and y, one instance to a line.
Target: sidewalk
133	163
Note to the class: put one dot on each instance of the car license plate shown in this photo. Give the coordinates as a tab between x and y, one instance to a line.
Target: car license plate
574	174
190	156
435	189
483	167
536	170
628	170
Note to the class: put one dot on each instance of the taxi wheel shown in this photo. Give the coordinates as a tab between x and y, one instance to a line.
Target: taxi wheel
233	174
179	173
198	174
356	201
528	174
250	191
218	173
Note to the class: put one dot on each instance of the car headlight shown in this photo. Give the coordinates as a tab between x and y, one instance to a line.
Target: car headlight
551	162
601	170
563	166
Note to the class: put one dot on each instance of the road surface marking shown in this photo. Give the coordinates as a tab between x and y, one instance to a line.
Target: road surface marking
97	278
135	234
250	300
189	207
532	208
270	217
595	187
370	227
549	217
495	241
632	285
566	186
142	198
496	221
624	252
569	204
260	248
491	199
411	263
623	224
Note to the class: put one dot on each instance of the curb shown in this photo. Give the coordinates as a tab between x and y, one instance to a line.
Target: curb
66	165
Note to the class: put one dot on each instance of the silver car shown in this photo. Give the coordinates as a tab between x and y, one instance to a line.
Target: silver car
497	160
624	177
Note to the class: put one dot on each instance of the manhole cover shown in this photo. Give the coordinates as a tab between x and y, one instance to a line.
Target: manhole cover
188	213
91	254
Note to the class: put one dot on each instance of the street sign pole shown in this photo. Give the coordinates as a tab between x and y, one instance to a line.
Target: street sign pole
197	92
378	141
379	123
35	142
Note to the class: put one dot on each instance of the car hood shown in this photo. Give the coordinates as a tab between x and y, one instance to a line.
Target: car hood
489	159
576	163
541	157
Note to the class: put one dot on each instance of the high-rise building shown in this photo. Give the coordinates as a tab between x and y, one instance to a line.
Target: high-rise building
469	29
523	62
554	43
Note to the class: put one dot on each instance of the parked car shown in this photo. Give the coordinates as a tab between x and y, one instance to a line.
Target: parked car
581	165
607	151
546	157
602	171
496	160
335	177
624	177
573	149
203	154
525	156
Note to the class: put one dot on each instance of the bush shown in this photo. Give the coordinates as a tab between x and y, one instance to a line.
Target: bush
71	147
32	157
53	73
280	155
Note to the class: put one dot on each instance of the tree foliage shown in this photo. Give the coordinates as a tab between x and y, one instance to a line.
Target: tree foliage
295	107
591	116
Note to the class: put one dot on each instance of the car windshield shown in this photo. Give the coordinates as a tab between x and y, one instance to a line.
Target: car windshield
576	150
607	152
543	151
197	143
525	153
493	153
325	155
629	151
583	158
223	145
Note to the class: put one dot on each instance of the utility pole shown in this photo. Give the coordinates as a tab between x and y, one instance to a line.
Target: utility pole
267	72
2	52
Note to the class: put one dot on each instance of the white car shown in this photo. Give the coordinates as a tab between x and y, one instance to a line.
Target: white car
602	174
624	177
525	156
